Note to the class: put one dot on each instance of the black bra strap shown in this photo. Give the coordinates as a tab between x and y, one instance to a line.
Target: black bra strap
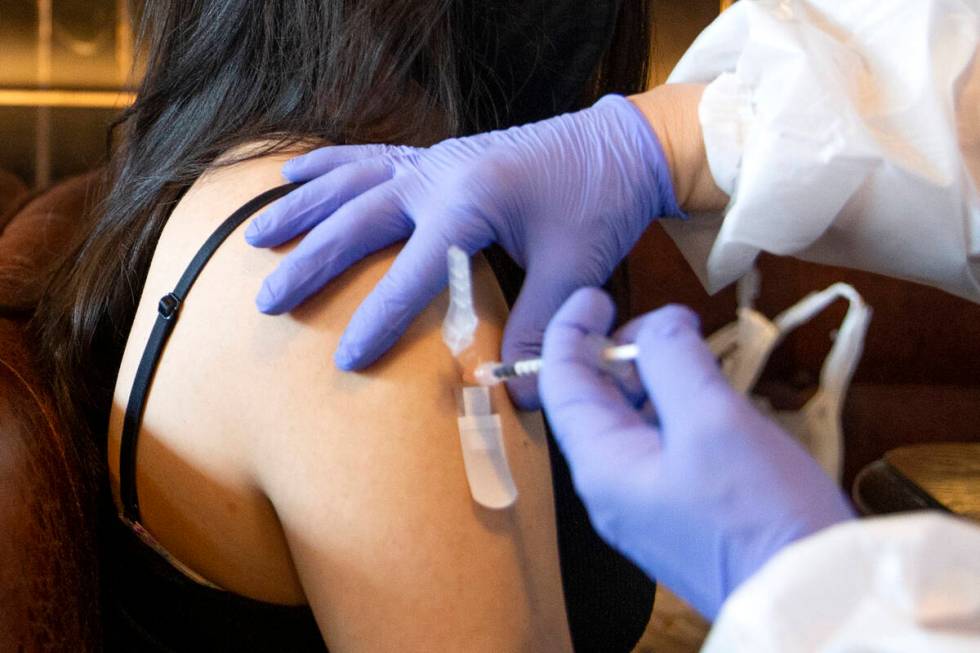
168	310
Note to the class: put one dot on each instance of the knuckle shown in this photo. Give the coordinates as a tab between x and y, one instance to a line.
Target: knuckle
396	150
487	173
495	163
672	319
679	312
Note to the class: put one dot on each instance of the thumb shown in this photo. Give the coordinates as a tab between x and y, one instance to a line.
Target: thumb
545	289
596	426
678	369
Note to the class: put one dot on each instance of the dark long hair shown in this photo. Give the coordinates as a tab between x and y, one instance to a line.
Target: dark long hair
219	73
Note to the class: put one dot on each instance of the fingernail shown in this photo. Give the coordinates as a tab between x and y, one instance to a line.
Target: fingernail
343	358
253	233
670	329
292	169
265	300
675	323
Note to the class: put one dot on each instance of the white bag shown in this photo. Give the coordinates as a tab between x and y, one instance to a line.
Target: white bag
744	347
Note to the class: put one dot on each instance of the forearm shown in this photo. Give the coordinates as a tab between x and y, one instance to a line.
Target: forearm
672	111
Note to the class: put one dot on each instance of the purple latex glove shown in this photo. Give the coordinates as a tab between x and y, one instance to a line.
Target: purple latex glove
703	494
567	198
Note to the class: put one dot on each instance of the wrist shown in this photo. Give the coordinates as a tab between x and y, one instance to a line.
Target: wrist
671	111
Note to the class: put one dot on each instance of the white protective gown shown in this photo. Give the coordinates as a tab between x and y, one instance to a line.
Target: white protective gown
895	584
847	132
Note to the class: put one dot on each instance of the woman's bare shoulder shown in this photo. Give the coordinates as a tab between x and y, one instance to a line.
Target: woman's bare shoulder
361	472
184	446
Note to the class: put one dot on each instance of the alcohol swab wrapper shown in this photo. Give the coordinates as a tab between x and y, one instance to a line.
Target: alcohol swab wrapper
480	429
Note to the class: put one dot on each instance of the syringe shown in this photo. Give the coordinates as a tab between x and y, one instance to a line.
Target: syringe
495	372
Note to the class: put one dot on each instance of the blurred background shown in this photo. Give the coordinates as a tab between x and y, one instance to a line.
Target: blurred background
64	71
65	68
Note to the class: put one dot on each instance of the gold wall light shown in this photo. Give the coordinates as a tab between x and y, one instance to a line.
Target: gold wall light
31	97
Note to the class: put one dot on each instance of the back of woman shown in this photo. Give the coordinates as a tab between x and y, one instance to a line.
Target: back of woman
274	499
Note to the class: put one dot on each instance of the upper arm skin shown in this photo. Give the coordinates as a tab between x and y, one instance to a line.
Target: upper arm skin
360	474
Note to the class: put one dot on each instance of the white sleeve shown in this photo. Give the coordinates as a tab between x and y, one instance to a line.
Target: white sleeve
846	132
896	584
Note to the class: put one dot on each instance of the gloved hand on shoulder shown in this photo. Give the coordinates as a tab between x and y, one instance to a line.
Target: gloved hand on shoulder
567	198
683	475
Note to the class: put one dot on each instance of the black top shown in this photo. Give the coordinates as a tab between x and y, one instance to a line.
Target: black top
154	607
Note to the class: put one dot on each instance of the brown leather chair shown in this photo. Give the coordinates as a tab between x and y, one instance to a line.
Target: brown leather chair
48	566
13	194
